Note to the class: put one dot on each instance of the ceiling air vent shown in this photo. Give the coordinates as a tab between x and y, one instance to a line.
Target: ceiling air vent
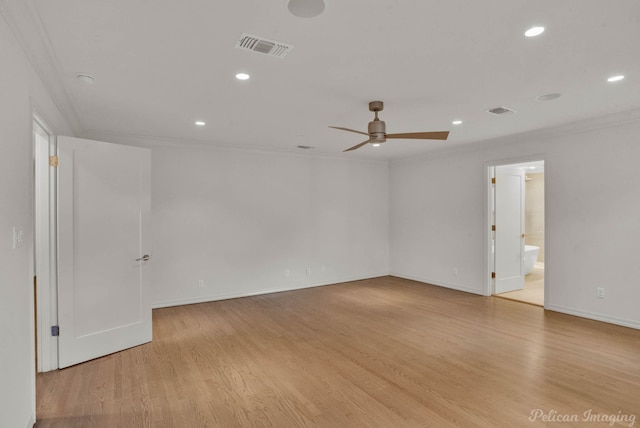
306	147
262	45
501	110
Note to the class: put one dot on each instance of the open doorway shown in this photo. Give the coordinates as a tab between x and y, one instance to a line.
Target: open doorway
518	247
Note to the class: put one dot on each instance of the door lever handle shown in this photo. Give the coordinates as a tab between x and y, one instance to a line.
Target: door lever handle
144	258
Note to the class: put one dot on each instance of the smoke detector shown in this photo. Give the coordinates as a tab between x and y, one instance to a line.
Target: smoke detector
263	45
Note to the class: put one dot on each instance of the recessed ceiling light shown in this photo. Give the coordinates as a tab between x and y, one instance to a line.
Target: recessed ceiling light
376	144
242	76
200	123
456	122
306	8
532	167
534	31
548	97
615	78
85	78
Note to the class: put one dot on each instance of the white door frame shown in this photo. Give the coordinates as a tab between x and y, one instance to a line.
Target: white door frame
45	245
489	173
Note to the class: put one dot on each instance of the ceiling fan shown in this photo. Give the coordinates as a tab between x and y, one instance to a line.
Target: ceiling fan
377	130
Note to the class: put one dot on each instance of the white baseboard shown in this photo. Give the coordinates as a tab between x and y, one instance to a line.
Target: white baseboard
594	316
216	297
439	283
31	422
555	308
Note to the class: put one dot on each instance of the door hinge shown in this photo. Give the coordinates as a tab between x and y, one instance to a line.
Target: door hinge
493	227
53	160
493	275
493	180
55	330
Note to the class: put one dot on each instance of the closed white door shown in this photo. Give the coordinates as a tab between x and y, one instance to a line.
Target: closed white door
509	244
103	222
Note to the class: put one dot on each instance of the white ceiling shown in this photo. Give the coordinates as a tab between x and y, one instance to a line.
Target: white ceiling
161	65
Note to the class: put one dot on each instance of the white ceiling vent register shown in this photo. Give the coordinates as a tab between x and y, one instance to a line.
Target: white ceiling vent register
262	45
501	110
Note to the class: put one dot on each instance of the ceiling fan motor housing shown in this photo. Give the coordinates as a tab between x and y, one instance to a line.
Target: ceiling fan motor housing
377	131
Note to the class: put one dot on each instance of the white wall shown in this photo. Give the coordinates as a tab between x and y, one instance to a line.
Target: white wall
437	220
238	220
20	93
592	224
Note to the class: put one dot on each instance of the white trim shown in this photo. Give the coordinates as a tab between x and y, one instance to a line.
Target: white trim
439	283
576	127
53	250
542	134
489	256
44	248
216	297
547	272
594	316
41	238
31	422
154	142
28	29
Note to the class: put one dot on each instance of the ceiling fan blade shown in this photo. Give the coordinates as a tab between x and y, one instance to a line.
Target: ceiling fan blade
356	146
350	130
441	135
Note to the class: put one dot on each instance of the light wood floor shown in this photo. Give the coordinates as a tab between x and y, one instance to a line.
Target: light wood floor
533	292
385	352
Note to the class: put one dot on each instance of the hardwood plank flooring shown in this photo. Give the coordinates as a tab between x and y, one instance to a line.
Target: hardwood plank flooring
533	292
385	352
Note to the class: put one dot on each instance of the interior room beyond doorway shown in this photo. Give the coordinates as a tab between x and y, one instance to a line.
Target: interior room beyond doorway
533	234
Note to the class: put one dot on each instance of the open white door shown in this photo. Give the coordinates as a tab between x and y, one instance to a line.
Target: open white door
509	243
103	219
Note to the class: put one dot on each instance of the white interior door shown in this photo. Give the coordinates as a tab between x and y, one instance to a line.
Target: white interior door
103	218
509	244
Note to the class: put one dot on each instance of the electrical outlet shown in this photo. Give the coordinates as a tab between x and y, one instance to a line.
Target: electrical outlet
201	283
308	272
600	292
287	273
455	271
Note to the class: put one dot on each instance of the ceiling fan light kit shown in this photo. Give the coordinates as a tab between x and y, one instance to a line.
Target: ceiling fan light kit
378	135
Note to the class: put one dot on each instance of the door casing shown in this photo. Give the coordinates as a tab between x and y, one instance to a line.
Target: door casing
45	244
489	173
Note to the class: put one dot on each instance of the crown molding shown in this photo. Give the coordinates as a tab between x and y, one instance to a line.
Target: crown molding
582	126
151	142
605	121
25	24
